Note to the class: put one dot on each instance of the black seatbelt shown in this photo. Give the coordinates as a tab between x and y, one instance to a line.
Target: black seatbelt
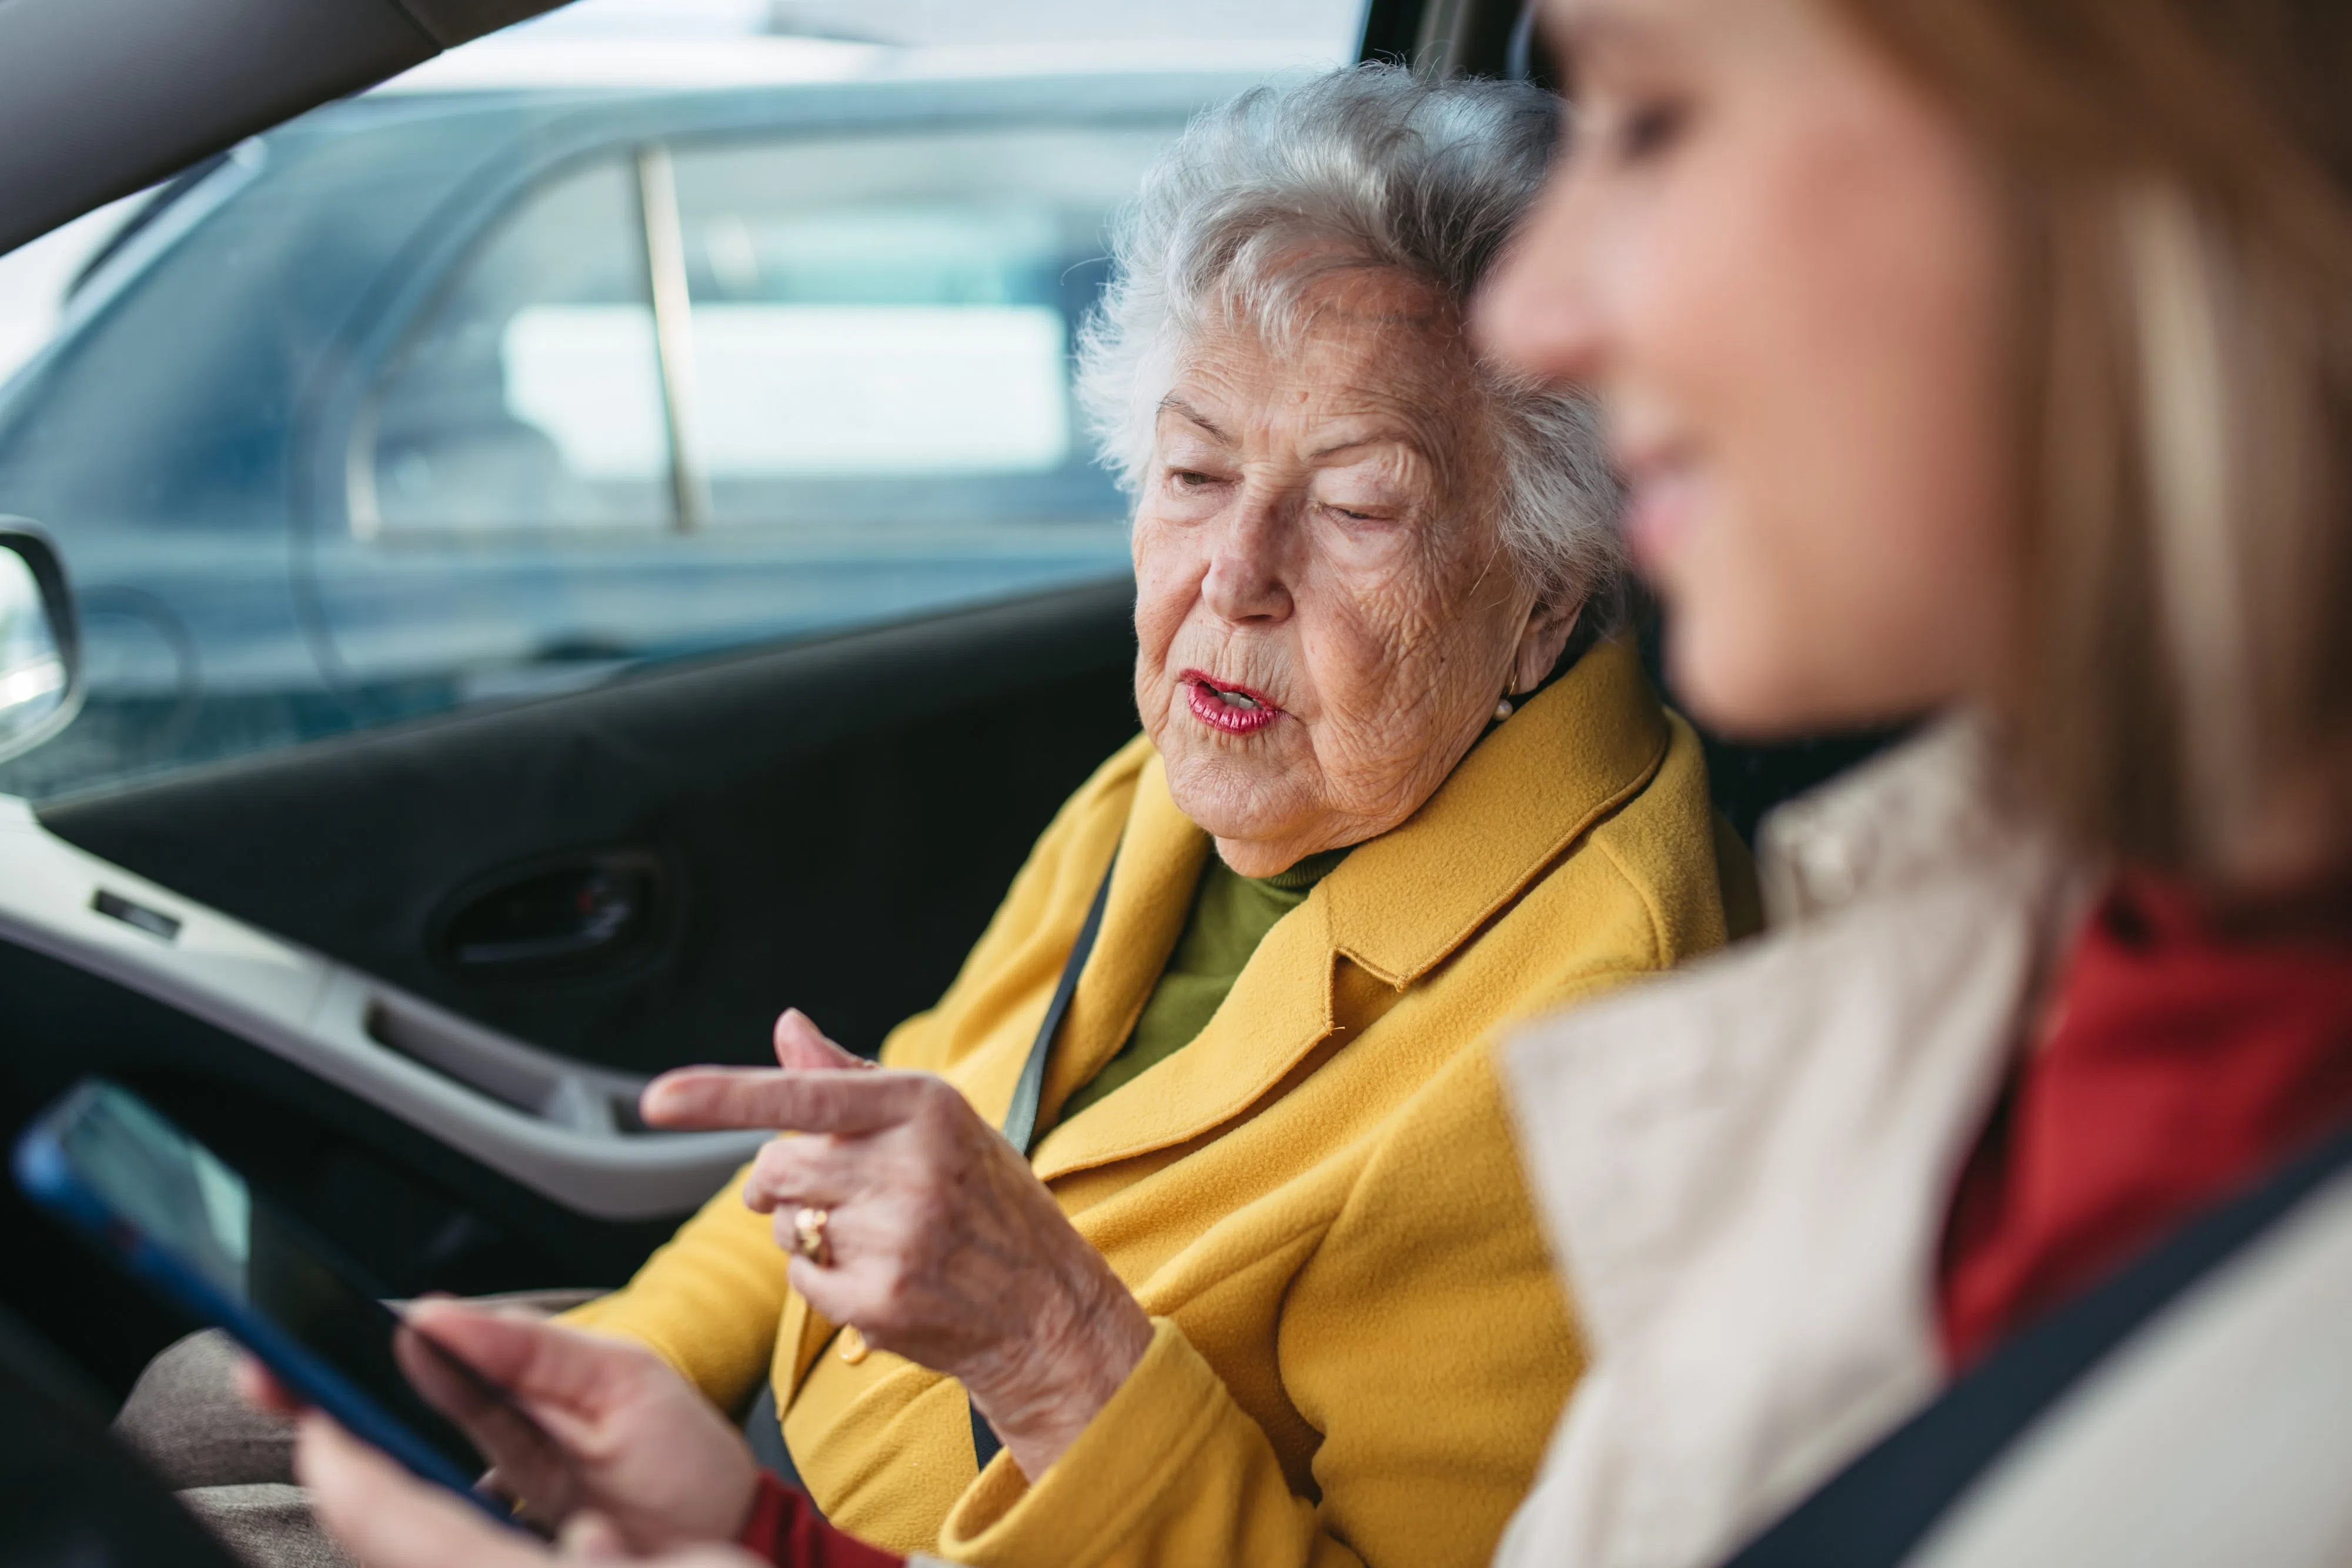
1880	1507
1021	1117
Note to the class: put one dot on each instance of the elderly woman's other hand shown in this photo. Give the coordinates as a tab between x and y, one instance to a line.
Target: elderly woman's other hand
935	1241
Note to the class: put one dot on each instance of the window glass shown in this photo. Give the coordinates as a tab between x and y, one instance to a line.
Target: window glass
705	391
881	327
36	278
530	396
375	416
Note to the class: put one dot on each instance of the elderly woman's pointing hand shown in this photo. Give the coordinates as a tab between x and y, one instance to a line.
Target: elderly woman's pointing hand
931	1235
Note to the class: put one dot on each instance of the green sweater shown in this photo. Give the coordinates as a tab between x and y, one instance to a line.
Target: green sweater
1230	916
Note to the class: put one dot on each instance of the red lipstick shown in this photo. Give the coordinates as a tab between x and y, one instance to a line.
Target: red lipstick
1226	706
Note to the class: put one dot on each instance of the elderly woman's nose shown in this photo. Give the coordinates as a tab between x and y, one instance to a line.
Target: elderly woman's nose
1246	580
1535	313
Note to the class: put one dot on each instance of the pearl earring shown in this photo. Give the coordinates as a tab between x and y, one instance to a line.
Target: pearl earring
1502	709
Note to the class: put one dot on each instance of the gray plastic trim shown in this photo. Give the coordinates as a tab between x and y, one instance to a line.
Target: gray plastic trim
552	1124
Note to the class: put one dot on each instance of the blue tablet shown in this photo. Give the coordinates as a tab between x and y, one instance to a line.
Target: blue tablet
189	1227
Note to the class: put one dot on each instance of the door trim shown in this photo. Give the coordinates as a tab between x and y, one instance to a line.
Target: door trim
561	1128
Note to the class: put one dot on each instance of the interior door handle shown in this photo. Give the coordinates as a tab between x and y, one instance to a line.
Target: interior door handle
593	910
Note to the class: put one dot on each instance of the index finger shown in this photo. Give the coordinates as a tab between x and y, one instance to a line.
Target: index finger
821	1100
555	1370
527	1357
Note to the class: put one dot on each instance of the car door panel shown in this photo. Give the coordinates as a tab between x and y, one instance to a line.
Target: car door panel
566	1131
832	822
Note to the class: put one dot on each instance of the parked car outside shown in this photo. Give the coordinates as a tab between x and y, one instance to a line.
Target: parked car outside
495	382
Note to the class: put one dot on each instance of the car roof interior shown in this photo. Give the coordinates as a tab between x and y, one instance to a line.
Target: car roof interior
207	73
203	75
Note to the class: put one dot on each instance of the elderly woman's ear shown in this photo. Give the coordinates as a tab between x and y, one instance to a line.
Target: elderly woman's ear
1551	623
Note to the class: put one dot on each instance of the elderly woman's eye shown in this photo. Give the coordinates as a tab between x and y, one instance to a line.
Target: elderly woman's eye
1359	510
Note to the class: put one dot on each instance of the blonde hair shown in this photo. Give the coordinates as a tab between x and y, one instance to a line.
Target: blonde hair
2180	177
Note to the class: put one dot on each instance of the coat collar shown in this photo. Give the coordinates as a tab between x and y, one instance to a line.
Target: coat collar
1584	746
1397	906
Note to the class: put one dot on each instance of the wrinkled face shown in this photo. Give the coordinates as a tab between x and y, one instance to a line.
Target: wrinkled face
1325	613
1780	269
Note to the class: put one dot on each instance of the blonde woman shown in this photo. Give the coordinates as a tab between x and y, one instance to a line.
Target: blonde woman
1988	358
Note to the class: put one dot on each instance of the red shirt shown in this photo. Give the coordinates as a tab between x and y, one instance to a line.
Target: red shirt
785	1528
2180	1062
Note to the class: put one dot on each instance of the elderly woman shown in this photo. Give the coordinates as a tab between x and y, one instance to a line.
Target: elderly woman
1264	1289
1248	1276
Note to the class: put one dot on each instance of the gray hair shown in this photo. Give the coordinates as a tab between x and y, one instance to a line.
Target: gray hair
1368	167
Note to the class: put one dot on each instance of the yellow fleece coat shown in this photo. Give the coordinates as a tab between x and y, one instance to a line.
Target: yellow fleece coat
1361	1346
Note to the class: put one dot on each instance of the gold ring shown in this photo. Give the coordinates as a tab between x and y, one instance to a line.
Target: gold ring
808	1230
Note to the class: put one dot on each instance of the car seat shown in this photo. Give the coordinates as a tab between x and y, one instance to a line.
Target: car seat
69	1496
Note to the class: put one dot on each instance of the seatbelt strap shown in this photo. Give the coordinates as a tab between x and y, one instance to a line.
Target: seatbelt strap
1880	1507
1021	1117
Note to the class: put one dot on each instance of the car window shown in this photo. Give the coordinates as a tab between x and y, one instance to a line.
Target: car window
706	391
881	327
646	330
530	395
876	331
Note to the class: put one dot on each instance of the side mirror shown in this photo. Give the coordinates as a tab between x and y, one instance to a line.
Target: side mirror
40	643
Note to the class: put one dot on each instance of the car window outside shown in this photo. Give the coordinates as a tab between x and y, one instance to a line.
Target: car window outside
877	333
881	327
335	439
530	396
825	381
